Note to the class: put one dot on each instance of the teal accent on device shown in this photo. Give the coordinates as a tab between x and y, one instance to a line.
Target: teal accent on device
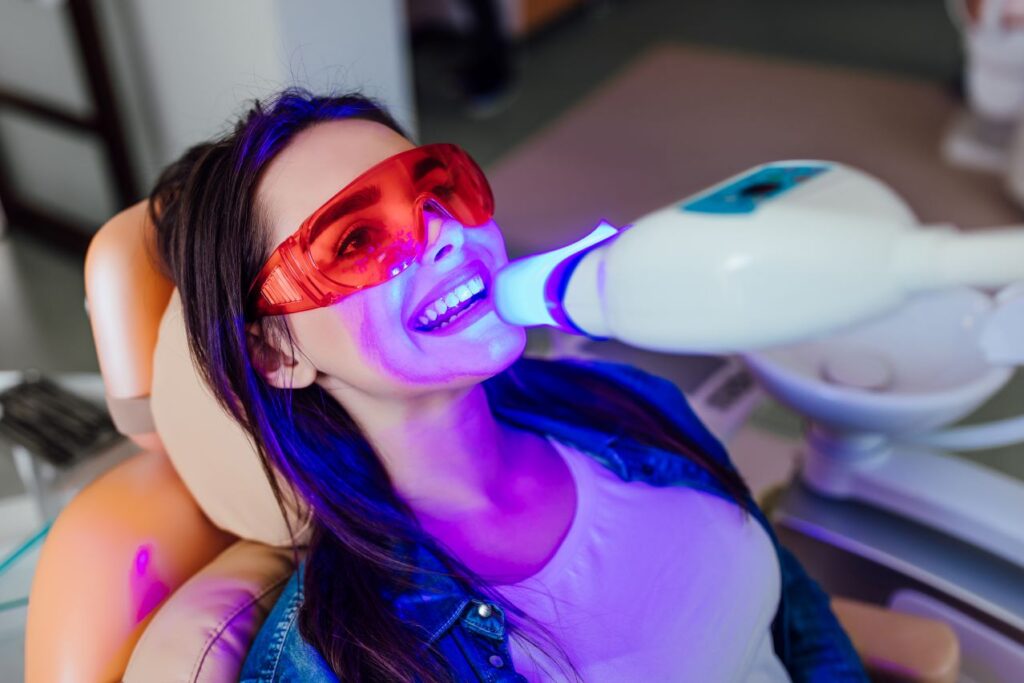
749	192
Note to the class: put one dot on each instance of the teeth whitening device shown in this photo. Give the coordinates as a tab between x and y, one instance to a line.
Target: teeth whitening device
844	307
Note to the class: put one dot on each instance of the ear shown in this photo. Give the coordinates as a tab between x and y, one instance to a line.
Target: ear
281	364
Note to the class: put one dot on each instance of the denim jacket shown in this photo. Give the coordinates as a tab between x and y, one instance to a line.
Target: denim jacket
806	635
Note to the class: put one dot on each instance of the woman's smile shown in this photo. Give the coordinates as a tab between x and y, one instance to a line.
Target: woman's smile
464	318
455	302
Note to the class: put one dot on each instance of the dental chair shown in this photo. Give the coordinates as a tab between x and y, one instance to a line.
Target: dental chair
164	568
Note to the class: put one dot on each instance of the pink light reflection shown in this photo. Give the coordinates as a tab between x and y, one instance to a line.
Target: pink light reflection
148	590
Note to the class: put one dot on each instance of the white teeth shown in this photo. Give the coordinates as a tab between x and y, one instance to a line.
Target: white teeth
432	322
460	294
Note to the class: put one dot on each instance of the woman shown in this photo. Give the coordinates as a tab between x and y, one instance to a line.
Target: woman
477	516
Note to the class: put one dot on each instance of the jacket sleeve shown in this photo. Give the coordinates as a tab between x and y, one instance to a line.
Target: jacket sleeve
808	638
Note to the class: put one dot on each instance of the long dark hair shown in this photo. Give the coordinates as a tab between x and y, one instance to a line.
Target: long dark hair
212	240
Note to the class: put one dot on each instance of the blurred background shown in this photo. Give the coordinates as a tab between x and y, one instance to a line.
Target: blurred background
96	97
578	110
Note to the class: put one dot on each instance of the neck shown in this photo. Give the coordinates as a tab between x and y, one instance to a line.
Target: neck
444	452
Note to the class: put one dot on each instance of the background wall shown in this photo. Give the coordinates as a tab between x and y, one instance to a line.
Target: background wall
181	70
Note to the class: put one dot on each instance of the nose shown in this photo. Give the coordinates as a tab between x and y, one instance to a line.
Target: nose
444	236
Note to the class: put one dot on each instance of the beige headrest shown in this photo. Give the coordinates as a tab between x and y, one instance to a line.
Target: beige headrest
212	454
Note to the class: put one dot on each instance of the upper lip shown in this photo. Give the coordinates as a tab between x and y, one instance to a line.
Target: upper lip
459	276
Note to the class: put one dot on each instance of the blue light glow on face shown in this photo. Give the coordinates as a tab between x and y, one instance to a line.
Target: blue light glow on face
368	342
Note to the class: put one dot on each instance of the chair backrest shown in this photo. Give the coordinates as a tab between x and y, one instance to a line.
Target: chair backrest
153	391
126	297
152	533
210	452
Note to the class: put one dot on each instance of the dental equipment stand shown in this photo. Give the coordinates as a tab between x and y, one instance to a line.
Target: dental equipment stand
798	250
873	396
863	552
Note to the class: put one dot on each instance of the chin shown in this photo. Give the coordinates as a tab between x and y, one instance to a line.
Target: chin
496	353
507	348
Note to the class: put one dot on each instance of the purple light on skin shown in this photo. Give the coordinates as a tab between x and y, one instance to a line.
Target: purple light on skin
148	590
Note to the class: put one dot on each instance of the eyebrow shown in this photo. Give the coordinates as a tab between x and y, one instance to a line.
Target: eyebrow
363	199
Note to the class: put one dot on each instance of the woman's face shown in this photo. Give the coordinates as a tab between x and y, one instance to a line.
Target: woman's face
374	340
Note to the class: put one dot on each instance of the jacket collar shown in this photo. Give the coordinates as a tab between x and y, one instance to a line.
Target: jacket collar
436	601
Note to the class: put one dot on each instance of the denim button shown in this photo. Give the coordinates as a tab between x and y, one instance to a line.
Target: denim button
484	610
496	661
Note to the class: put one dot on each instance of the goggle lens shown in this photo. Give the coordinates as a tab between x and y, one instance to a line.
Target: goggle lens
373	229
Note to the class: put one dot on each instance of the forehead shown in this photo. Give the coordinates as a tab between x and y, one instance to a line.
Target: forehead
316	164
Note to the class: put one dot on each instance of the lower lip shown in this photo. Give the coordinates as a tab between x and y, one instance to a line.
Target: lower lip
472	314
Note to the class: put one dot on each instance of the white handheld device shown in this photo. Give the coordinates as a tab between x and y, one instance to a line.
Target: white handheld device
782	252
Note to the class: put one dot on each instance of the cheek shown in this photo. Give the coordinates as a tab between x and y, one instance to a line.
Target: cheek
361	336
325	334
347	344
490	238
373	324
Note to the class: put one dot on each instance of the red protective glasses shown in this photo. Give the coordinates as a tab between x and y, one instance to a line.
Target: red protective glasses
371	230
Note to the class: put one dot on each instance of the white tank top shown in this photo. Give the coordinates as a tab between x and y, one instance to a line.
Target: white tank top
652	584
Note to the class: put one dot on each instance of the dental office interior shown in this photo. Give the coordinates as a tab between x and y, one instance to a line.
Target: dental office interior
773	161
